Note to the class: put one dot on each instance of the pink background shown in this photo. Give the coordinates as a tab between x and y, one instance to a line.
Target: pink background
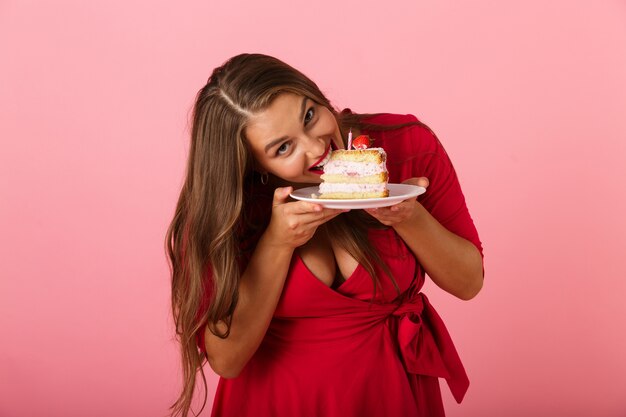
529	98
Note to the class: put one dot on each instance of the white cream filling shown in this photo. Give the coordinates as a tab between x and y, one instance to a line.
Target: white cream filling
352	169
339	187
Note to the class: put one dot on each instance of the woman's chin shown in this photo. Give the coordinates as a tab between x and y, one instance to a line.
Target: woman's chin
309	180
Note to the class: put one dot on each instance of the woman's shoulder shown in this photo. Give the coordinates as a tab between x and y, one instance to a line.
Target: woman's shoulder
390	119
401	135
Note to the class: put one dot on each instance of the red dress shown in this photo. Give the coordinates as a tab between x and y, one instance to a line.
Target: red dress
338	353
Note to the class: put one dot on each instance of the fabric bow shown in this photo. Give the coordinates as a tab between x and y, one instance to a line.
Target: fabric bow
426	346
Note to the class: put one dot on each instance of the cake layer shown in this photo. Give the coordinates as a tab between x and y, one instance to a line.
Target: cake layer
334	187
354	179
352	196
343	167
374	155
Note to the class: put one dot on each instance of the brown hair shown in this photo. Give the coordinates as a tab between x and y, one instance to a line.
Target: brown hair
203	240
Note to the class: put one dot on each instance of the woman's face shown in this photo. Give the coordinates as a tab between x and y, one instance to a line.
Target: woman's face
292	138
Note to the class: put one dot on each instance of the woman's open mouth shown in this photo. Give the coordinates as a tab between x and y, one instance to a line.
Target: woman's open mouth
318	167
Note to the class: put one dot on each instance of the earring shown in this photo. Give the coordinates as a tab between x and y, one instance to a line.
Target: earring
264	178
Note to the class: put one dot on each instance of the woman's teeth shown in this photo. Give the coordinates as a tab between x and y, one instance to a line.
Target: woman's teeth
324	161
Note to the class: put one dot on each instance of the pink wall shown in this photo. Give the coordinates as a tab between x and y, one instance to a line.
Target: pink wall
529	98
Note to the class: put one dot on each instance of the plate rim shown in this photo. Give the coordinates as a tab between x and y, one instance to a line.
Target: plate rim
362	202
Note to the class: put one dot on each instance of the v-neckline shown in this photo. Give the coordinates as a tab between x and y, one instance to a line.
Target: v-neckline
336	289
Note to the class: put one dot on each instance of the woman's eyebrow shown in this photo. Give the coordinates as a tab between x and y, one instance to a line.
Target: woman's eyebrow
274	143
278	140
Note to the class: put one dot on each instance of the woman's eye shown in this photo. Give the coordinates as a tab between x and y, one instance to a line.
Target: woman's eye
282	149
309	115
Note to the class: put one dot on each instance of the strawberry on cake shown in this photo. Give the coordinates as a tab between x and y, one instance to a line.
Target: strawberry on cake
355	173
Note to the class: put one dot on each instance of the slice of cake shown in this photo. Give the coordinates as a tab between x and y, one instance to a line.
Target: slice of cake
355	173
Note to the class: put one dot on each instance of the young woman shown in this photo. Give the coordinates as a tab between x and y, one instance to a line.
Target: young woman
304	310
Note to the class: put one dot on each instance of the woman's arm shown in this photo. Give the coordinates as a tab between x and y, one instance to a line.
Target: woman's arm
259	291
261	284
452	262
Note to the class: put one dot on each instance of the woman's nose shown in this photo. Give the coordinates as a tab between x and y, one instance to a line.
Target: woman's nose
316	146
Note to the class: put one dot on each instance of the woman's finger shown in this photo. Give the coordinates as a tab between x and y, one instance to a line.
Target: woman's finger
326	215
419	181
318	217
280	195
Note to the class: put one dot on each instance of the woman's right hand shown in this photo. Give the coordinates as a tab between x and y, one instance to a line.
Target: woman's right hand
294	223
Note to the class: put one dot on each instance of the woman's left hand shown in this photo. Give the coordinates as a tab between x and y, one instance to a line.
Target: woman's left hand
401	212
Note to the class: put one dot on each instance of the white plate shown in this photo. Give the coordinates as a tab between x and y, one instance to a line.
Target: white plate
397	193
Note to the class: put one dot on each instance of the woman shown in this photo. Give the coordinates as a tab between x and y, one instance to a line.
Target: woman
304	310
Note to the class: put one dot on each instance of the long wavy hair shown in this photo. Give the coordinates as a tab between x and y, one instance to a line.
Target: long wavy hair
204	239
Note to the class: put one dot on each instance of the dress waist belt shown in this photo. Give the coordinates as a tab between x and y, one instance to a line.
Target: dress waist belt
426	346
